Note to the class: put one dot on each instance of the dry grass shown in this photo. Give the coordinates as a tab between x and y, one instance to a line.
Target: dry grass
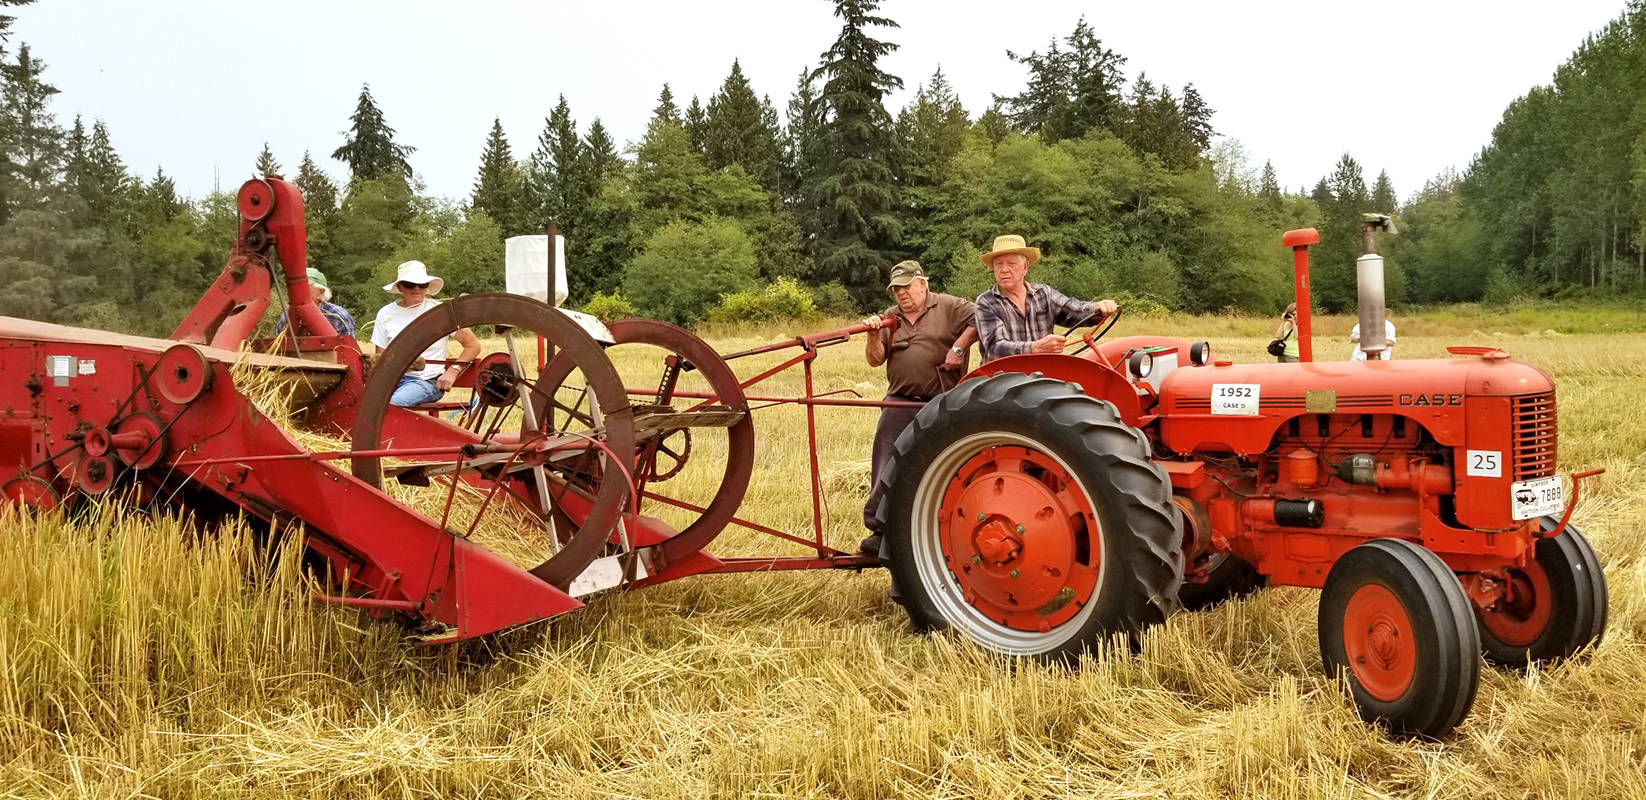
138	660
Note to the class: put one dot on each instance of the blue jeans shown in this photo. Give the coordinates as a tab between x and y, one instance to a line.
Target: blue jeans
413	391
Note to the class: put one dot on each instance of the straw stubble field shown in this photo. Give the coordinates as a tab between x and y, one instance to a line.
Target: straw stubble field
135	661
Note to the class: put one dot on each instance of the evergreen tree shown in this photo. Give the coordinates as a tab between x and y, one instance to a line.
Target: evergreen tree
370	149
855	196
740	129
319	209
161	193
1197	118
558	186
104	185
1383	200
6	20
1072	89
931	132
74	156
31	143
1268	190
1094	83
801	146
697	124
600	157
499	189
666	110
266	163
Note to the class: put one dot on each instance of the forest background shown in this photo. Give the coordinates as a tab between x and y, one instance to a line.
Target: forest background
737	207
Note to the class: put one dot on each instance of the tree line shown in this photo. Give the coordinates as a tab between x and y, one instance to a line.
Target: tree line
1555	204
1124	183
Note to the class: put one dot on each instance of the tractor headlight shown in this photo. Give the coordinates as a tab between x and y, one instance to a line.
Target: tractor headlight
1141	364
1200	353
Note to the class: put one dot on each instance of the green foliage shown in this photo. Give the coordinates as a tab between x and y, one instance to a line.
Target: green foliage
266	163
610	307
854	190
1072	90
500	188
783	299
370	150
1503	288
685	266
560	179
832	300
740	129
469	257
31	144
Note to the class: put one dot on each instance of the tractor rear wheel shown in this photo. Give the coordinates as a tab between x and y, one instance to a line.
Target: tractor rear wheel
1394	620
1556	606
1026	515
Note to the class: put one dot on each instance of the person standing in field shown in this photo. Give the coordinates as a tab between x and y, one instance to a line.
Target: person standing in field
1015	316
1388	333
933	334
429	382
1286	334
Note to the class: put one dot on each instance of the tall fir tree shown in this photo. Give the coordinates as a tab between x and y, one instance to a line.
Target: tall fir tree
104	186
320	201
1197	118
666	110
1384	200
266	163
741	129
369	147
558	187
500	188
1073	88
855	195
600	154
801	146
1268	190
931	131
31	143
697	124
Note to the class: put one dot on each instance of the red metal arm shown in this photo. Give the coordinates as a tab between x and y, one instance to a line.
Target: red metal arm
271	214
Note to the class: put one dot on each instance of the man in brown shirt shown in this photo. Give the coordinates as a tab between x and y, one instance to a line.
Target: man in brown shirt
924	355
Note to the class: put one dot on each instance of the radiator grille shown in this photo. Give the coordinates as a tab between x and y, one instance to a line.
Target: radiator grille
1534	436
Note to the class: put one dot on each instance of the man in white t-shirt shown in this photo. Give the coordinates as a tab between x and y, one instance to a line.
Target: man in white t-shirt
1388	334
429	383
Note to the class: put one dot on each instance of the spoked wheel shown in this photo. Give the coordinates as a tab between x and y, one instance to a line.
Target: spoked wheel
1024	514
1395	621
1555	606
517	474
676	434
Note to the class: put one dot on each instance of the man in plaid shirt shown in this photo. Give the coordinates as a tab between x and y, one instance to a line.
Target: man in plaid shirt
1015	316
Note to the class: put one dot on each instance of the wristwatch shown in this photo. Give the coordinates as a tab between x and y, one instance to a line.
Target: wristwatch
958	351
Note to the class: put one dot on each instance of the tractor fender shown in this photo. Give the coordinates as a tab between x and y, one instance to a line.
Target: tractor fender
1093	378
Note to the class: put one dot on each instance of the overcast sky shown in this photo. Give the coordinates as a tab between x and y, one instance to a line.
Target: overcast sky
197	86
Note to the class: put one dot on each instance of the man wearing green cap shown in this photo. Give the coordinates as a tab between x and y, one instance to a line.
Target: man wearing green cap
335	314
925	354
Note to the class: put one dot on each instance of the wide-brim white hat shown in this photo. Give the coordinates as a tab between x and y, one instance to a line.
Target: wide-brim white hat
415	272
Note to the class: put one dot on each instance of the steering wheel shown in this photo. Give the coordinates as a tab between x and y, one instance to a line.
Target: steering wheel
1088	339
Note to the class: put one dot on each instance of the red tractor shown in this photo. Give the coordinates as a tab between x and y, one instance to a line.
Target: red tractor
1051	501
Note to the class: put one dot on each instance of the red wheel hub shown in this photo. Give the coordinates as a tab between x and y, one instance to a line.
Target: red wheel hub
1379	642
1526	608
1020	537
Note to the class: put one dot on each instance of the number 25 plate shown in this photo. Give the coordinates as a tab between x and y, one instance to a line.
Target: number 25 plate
1537	498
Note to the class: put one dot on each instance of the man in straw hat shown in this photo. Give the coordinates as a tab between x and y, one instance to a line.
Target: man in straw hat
428	382
1016	316
933	334
335	314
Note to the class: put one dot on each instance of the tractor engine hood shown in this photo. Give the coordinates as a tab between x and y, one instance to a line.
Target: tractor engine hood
1237	407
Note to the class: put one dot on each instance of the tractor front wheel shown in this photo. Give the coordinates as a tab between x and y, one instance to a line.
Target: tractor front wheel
1556	604
1396	623
1026	515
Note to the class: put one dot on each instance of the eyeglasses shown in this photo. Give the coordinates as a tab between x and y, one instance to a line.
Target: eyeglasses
410	285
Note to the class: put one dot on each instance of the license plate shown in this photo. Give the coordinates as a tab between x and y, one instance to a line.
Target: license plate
1537	498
